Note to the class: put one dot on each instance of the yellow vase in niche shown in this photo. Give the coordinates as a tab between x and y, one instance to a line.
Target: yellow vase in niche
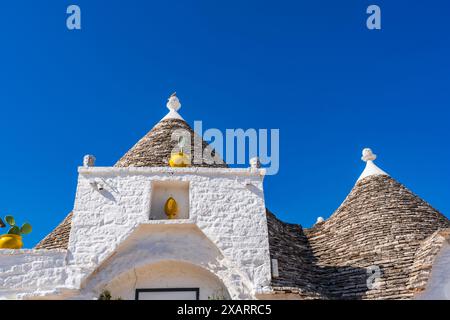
171	208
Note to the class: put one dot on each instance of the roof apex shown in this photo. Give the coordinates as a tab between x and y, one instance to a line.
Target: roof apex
157	146
371	168
173	104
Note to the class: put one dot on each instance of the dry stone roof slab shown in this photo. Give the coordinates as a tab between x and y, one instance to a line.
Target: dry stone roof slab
380	224
59	237
156	147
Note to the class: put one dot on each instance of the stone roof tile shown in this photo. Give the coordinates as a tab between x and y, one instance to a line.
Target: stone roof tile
380	224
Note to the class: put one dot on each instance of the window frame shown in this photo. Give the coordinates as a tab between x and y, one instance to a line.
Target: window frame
196	290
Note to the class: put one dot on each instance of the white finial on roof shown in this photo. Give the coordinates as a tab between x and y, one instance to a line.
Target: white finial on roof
320	220
371	169
173	104
368	155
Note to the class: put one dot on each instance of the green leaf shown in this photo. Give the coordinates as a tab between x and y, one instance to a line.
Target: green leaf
14	230
26	228
10	220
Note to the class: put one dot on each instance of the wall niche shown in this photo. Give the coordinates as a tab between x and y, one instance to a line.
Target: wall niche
162	191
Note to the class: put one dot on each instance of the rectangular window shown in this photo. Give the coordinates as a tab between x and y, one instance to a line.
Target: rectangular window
168	294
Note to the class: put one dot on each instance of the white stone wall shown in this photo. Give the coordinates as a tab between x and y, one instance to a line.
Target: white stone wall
175	245
24	272
227	205
169	274
224	237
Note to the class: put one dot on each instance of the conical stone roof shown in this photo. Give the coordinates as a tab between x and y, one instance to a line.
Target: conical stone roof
379	228
156	147
59	237
153	150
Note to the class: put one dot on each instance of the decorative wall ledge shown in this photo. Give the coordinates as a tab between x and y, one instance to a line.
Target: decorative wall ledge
173	171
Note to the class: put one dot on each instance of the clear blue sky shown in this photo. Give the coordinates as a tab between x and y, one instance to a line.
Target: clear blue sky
310	68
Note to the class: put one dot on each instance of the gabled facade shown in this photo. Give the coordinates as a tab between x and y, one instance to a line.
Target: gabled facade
383	242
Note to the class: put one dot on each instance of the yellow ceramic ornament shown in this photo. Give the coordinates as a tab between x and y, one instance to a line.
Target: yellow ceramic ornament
171	208
179	160
11	241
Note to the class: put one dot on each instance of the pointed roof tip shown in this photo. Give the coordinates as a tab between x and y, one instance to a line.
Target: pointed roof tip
172	114
173	104
156	147
371	168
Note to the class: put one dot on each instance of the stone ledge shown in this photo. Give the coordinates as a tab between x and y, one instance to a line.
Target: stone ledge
170	222
174	171
40	252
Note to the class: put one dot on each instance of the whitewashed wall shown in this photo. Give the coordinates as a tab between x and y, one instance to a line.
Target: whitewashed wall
24	272
227	205
170	244
182	249
227	225
169	274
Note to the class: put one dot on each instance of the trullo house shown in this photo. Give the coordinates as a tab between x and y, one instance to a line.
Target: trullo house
154	226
